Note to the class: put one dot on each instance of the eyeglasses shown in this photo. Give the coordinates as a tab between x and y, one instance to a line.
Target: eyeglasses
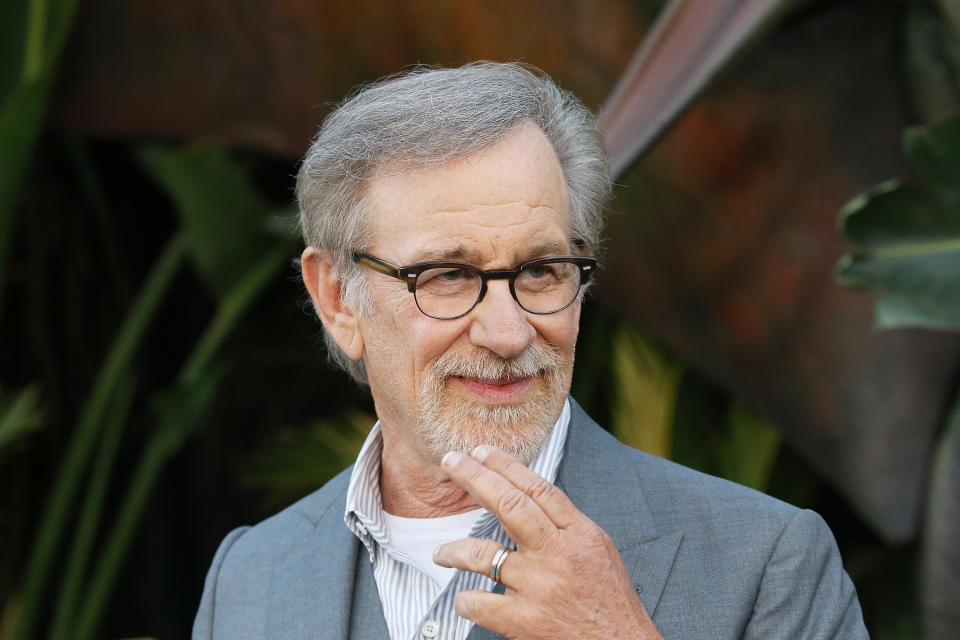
448	290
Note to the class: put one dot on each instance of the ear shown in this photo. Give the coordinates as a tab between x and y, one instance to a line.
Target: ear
323	285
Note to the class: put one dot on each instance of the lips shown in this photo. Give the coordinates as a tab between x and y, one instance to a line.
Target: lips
495	391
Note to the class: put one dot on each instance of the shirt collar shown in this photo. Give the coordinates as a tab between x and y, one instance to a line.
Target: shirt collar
364	510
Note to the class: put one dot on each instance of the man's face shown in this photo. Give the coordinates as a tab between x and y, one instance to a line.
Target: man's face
498	375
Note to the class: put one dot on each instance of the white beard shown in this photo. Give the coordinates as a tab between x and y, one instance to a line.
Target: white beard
455	424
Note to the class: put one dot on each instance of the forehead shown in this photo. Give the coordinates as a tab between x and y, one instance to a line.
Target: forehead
494	204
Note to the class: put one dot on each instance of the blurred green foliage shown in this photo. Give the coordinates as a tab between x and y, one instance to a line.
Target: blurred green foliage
20	415
238	267
912	236
912	258
26	75
734	443
295	461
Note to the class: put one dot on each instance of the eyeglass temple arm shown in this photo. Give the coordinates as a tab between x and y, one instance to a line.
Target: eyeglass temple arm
377	264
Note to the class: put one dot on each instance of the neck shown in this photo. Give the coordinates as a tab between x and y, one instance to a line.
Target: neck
412	486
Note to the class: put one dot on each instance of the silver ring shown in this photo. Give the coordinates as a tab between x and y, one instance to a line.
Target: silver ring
497	565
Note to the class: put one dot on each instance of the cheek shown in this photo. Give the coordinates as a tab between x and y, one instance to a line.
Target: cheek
434	338
406	342
561	330
576	322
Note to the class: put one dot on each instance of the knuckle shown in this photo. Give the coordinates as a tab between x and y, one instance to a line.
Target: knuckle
598	537
511	501
594	537
538	488
478	554
475	474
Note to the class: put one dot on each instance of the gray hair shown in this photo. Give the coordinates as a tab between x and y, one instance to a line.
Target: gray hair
427	117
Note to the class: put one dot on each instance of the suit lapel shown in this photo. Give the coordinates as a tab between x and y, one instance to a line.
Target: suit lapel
597	474
327	560
366	620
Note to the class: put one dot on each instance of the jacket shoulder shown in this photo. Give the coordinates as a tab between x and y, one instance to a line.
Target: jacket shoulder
670	489
326	504
259	572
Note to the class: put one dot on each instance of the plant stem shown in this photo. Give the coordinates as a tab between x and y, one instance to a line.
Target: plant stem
170	434
90	516
33	58
141	313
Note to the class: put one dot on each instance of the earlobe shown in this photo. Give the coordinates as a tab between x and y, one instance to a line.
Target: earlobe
323	284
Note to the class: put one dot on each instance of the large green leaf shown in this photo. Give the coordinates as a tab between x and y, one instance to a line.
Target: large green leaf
911	236
936	153
222	216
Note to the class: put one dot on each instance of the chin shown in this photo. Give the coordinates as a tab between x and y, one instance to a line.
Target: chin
499	427
452	417
453	423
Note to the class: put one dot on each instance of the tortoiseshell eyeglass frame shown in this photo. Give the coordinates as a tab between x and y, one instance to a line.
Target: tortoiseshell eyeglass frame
408	274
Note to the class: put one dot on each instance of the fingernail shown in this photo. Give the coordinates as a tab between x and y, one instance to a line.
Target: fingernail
451	459
436	553
480	453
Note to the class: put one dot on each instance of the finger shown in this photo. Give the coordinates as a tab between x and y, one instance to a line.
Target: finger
492	611
477	555
523	520
554	502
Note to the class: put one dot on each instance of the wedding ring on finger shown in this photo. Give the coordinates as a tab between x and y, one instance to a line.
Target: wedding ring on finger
497	565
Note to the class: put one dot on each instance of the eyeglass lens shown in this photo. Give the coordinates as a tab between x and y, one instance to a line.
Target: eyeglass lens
447	292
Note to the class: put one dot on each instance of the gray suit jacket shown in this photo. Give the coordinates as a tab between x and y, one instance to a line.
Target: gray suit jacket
709	558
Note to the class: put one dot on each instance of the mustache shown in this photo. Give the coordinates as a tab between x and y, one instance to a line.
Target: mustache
486	365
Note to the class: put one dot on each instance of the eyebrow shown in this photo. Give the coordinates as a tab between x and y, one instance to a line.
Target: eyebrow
440	255
460	254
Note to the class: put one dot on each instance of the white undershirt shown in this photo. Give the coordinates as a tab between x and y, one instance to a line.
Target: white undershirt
416	538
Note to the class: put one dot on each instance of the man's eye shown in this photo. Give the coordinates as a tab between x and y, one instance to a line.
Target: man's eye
540	272
446	280
452	275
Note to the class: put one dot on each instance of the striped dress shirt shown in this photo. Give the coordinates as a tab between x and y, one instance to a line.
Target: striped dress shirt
414	606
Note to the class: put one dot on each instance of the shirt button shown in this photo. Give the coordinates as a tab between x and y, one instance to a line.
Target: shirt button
362	528
430	629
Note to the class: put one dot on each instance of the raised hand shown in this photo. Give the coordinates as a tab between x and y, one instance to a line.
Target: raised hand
565	580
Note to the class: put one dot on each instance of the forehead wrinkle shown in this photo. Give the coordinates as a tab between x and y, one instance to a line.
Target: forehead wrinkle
473	207
473	256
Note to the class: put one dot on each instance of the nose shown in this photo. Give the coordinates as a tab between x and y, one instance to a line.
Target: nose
499	324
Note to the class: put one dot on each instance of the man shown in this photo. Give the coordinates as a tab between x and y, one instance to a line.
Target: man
450	216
